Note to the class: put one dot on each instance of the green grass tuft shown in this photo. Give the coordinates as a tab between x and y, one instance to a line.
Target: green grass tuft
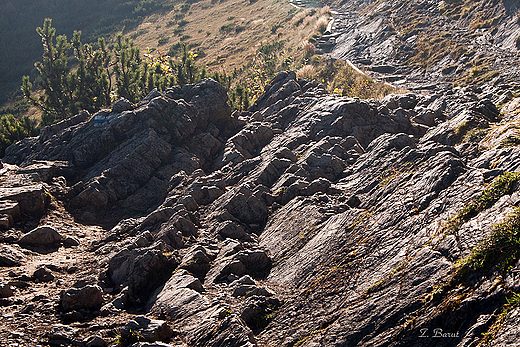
503	185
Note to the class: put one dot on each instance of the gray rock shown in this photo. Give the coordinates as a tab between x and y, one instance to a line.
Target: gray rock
244	290
196	261
155	344
41	236
10	256
141	270
61	335
223	268
182	279
43	274
95	341
189	203
426	117
88	297
30	197
121	105
70	241
230	229
243	280
149	330
178	303
121	300
10	210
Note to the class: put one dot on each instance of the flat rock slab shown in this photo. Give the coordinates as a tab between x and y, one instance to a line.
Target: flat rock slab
45	169
31	199
179	303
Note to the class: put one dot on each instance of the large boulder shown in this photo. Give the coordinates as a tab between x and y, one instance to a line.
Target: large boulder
41	236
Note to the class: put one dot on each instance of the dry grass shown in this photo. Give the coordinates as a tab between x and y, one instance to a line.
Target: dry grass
306	71
325	10
341	79
308	49
321	23
248	26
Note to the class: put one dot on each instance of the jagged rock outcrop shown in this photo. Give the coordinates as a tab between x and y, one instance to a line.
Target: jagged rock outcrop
310	220
121	160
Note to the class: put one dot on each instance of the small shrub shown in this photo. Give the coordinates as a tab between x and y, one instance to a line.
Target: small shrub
185	7
503	185
163	40
138	33
462	129
240	28
513	301
475	135
174	49
13	130
227	27
498	252
200	53
182	23
185	37
510	141
275	27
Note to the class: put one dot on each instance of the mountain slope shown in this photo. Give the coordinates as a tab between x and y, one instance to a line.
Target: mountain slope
310	219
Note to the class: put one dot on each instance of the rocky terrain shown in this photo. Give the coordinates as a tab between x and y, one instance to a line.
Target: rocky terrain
427	45
308	220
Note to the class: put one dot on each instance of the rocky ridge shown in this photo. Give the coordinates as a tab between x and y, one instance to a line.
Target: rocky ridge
309	220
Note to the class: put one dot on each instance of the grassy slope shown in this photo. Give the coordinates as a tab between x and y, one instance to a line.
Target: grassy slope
261	22
230	33
224	50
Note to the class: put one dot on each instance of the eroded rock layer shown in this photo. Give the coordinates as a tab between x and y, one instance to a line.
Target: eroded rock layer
309	220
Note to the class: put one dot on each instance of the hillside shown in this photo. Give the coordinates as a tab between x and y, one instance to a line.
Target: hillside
310	219
223	45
